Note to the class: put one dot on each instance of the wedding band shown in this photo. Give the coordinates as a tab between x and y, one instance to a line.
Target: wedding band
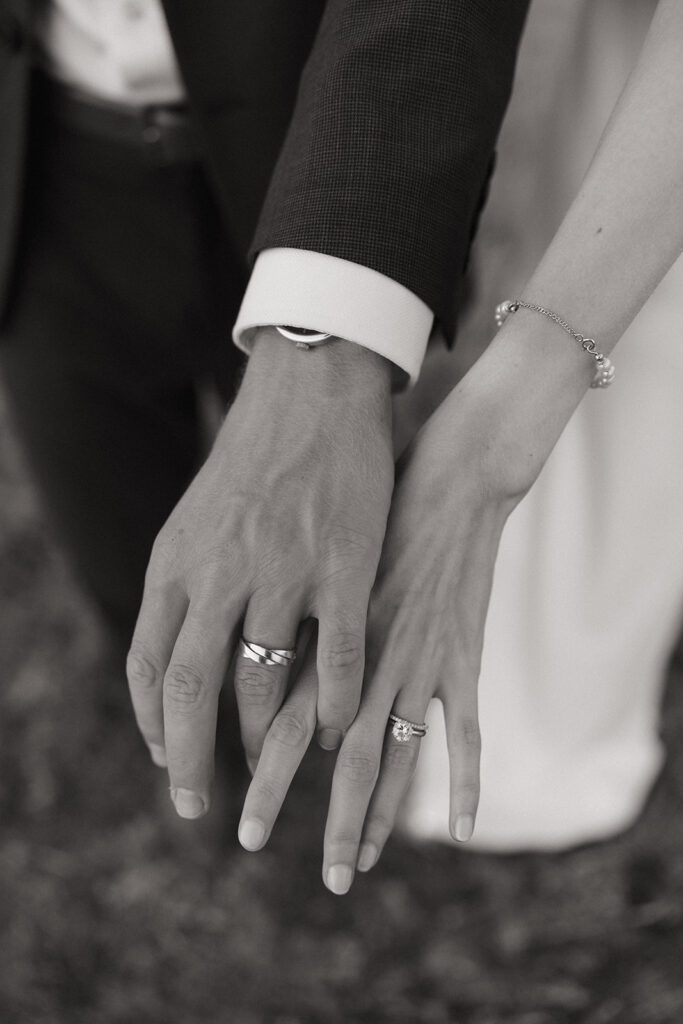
404	730
267	655
285	652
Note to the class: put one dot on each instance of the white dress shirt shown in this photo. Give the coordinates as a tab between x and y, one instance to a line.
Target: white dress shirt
121	51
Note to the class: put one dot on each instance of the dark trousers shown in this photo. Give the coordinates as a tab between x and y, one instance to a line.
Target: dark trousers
124	297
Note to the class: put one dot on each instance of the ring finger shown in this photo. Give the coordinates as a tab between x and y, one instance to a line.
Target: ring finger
284	747
399	758
362	762
262	669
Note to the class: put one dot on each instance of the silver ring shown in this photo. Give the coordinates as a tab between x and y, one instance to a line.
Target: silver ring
403	730
284	652
267	655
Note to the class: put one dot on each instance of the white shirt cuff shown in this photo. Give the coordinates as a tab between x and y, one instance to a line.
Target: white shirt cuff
310	289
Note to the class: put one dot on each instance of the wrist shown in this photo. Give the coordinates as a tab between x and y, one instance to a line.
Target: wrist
515	402
339	371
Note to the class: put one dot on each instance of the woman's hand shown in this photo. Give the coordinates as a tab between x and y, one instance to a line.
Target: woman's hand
467	469
425	631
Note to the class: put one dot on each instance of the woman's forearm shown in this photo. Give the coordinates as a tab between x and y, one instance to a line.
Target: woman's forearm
620	236
625	227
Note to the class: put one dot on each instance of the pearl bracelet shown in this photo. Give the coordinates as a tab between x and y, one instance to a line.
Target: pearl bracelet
604	371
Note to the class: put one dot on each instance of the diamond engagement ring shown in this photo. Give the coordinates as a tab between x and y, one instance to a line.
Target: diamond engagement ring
267	655
403	730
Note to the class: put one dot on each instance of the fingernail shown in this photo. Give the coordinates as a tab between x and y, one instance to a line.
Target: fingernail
464	827
158	755
367	858
339	879
251	834
187	803
329	739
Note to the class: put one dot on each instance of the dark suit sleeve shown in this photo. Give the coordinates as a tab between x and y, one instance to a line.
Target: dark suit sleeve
387	155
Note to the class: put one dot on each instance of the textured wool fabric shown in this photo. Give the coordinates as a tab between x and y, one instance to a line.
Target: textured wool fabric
388	153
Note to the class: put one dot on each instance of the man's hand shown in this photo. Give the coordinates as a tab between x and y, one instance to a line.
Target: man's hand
425	631
456	485
284	522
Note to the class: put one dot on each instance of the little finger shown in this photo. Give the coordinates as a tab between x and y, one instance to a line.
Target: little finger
464	753
163	609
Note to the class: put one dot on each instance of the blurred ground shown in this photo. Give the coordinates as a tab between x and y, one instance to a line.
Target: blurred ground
112	912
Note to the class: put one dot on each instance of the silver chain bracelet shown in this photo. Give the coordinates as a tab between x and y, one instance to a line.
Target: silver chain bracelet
604	370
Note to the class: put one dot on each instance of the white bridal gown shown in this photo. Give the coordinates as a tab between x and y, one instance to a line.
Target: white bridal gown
588	591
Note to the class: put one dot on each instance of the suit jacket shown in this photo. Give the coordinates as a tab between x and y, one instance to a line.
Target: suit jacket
359	128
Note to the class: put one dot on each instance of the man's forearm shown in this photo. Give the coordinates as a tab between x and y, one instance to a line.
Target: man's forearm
388	151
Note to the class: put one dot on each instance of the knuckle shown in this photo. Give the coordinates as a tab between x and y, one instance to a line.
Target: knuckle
358	766
379	825
401	756
254	686
470	734
265	790
350	550
467	788
190	766
469	665
185	690
291	728
141	671
165	547
344	840
342	653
